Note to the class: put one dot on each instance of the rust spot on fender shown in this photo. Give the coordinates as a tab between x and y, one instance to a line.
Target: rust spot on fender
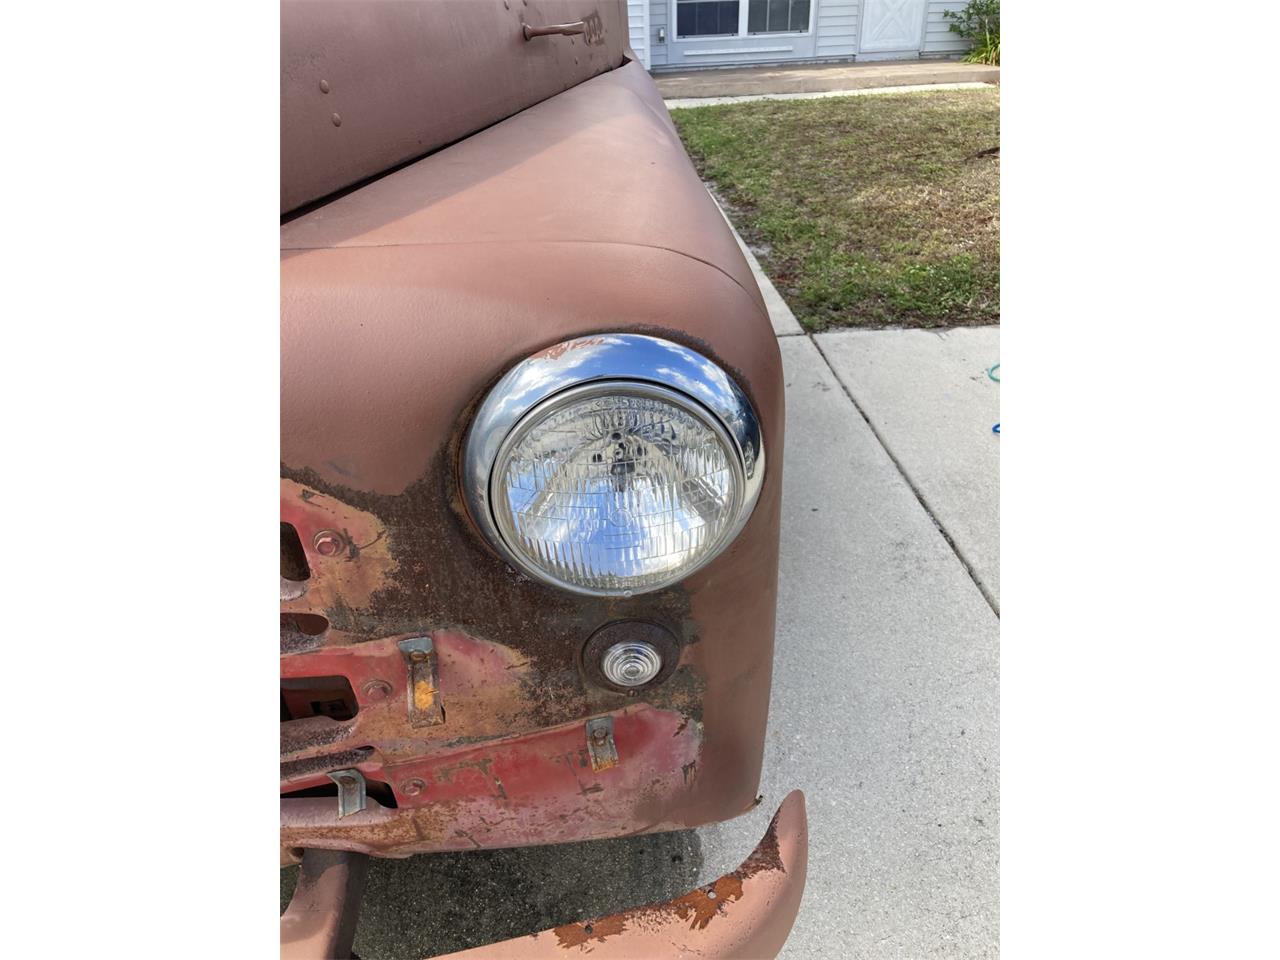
576	934
364	564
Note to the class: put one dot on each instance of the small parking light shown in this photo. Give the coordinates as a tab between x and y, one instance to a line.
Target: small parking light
631	663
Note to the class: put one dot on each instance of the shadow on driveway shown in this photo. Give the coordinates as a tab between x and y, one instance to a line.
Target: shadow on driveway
442	902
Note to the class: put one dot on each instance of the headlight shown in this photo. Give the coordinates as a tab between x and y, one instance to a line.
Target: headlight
613	465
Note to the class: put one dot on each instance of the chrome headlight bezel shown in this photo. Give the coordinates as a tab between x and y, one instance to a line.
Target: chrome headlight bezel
633	363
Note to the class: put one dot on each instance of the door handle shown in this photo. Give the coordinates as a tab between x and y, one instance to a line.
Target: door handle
564	29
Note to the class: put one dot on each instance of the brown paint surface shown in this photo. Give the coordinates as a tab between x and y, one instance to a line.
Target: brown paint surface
401	303
405	77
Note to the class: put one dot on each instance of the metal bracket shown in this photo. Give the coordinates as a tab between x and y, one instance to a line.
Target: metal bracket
351	791
551	29
604	752
425	708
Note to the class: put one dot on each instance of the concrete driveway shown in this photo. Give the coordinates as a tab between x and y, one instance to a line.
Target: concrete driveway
885	700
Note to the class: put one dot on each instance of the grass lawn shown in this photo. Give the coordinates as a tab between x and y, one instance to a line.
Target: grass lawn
865	211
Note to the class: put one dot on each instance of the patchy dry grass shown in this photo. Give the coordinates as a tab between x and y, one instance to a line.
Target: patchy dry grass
867	211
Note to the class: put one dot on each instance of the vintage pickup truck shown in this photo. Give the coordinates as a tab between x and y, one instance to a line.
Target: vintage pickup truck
531	467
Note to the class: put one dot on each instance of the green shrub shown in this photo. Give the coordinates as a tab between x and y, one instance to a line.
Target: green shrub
979	23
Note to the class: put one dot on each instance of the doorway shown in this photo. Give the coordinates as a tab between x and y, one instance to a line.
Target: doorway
891	29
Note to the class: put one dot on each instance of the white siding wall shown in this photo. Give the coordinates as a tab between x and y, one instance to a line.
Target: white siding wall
837	28
658	19
638	25
939	41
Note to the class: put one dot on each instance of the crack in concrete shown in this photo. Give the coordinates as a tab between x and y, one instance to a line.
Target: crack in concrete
906	477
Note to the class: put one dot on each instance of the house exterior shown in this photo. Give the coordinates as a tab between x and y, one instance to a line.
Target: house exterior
688	34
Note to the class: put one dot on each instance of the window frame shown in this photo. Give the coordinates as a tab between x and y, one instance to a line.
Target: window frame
742	34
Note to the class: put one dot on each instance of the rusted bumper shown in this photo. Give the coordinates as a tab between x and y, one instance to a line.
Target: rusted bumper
746	914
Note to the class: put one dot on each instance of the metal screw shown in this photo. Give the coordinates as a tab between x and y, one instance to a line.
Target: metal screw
411	788
327	543
418	656
711	894
600	736
377	689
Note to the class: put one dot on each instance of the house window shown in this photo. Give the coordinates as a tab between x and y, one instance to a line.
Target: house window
706	18
741	18
777	16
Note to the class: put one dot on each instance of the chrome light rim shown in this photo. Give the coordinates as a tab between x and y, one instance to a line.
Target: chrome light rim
625	362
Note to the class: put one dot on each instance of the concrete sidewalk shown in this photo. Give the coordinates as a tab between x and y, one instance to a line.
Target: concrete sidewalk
931	403
817	78
885	708
684	103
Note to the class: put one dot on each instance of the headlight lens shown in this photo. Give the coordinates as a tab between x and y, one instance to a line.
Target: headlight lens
614	464
616	487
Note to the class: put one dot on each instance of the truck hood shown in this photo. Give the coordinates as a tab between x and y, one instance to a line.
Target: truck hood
367	85
601	163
